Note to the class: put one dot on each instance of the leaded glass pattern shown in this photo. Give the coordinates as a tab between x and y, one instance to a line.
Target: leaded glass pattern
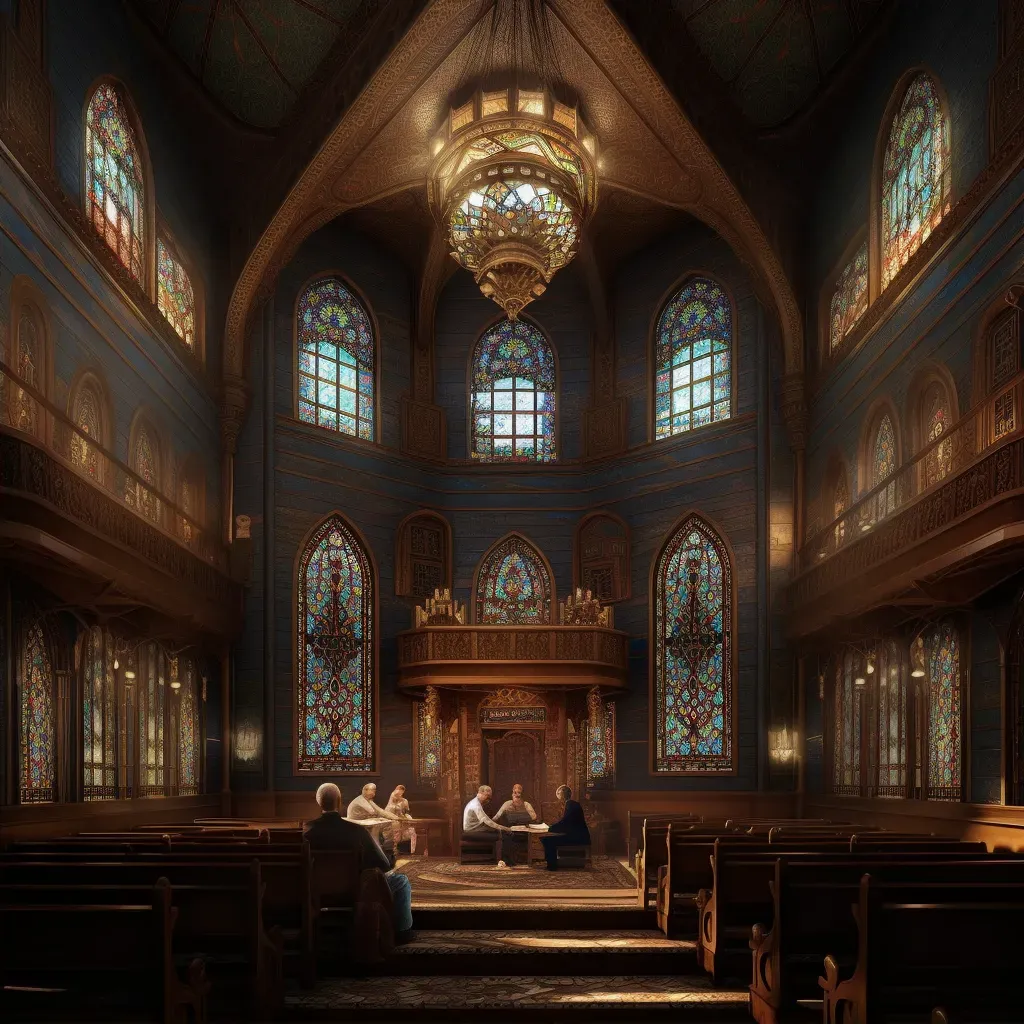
889	740
428	745
146	464
513	395
513	585
840	503
936	424
601	747
915	193
334	625
883	466
189	730
693	359
850	299
99	715
87	414
114	178
36	683
944	713
336	360
152	704
175	298
28	366
846	729
693	636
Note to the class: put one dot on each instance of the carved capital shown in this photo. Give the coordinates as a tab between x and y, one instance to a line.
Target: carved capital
794	409
234	403
424	430
604	429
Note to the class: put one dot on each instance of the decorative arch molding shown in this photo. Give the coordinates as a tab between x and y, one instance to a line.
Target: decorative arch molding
515	544
929	376
879	409
368	156
147	500
89	400
601	562
423	554
30	357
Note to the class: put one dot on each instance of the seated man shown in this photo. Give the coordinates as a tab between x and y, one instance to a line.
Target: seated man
332	832
571	828
516	812
477	824
365	807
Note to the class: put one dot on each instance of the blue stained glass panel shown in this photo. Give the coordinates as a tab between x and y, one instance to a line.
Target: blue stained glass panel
513	585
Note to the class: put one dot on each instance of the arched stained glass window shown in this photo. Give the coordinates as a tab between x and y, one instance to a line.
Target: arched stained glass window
99	716
840	503
693	359
889	728
693	637
145	460
29	363
915	193
846	729
337	360
883	466
189	729
514	391
944	727
115	193
336	653
936	421
87	412
175	298
513	585
152	704
36	681
850	299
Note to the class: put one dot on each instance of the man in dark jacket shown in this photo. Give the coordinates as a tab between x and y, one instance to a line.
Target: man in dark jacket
333	832
571	828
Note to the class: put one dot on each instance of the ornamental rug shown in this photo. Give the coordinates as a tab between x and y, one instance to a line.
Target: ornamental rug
434	873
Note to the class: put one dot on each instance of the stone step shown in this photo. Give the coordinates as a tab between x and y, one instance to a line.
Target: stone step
542	916
455	998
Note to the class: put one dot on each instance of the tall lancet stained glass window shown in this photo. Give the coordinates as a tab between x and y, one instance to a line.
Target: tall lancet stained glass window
693	637
36	683
513	585
693	359
99	715
883	466
944	726
189	729
850	298
336	360
115	193
915	190
175	297
513	395
87	413
336	670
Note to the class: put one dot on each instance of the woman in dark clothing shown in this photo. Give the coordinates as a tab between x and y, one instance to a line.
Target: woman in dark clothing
571	828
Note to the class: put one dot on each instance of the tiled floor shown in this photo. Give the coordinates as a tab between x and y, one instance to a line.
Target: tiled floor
458	941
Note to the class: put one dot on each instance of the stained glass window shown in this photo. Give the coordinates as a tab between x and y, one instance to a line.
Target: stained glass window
889	726
38	719
693	359
942	645
189	729
337	360
513	585
152	703
915	192
601	747
114	179
174	294
428	744
840	503
99	715
28	365
850	298
145	462
87	414
693	636
513	395
883	466
1004	339
846	729
336	667
935	425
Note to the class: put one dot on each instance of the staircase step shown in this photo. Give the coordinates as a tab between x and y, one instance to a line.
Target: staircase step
546	916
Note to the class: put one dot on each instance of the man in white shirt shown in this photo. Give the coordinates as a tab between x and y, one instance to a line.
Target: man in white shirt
365	807
476	822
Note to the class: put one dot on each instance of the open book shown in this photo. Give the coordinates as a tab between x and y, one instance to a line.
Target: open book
538	827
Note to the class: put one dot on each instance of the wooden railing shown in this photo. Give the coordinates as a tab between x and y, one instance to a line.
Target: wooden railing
996	422
29	416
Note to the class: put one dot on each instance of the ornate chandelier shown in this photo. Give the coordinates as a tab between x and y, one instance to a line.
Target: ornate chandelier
513	183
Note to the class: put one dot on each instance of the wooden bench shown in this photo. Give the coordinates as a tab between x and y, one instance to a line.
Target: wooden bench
105	962
475	851
811	916
925	945
573	856
653	853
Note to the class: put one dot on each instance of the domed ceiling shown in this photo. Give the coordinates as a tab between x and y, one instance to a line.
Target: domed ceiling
774	55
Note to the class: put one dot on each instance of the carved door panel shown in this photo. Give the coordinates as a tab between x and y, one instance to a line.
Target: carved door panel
514	757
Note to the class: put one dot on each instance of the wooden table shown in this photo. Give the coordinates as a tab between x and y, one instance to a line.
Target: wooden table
423	827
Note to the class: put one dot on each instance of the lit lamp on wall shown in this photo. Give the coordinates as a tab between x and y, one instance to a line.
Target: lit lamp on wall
248	744
917	670
172	673
781	745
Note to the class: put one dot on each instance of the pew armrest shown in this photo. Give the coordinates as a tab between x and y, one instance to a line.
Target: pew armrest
840	995
193	991
764	983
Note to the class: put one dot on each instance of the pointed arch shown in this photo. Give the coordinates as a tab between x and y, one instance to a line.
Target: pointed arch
180	295
881	455
423	554
601	563
90	410
31	358
336	651
513	394
932	410
146	458
513	584
37	711
912	182
693	655
336	358
693	356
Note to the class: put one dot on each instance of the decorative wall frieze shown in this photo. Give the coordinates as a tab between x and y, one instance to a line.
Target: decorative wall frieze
234	401
604	429
424	430
794	410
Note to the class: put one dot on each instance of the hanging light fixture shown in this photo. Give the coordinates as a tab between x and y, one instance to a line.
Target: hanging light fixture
917	658
514	180
172	672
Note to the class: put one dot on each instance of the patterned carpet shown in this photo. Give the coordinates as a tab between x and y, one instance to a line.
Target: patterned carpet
629	942
436	875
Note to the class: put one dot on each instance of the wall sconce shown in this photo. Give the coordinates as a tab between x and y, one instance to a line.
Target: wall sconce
917	658
172	672
248	744
781	746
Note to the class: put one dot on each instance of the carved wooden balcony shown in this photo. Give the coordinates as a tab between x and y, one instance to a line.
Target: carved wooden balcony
941	530
95	525
548	656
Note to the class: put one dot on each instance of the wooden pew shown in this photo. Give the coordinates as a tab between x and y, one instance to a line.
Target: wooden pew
740	896
654	853
923	945
811	901
104	962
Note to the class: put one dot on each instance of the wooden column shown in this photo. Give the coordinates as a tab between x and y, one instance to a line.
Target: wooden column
225	728
269	505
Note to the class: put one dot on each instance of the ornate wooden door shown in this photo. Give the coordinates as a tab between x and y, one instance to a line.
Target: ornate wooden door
514	757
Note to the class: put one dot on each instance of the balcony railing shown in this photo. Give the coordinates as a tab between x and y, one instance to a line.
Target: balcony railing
26	413
996	422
